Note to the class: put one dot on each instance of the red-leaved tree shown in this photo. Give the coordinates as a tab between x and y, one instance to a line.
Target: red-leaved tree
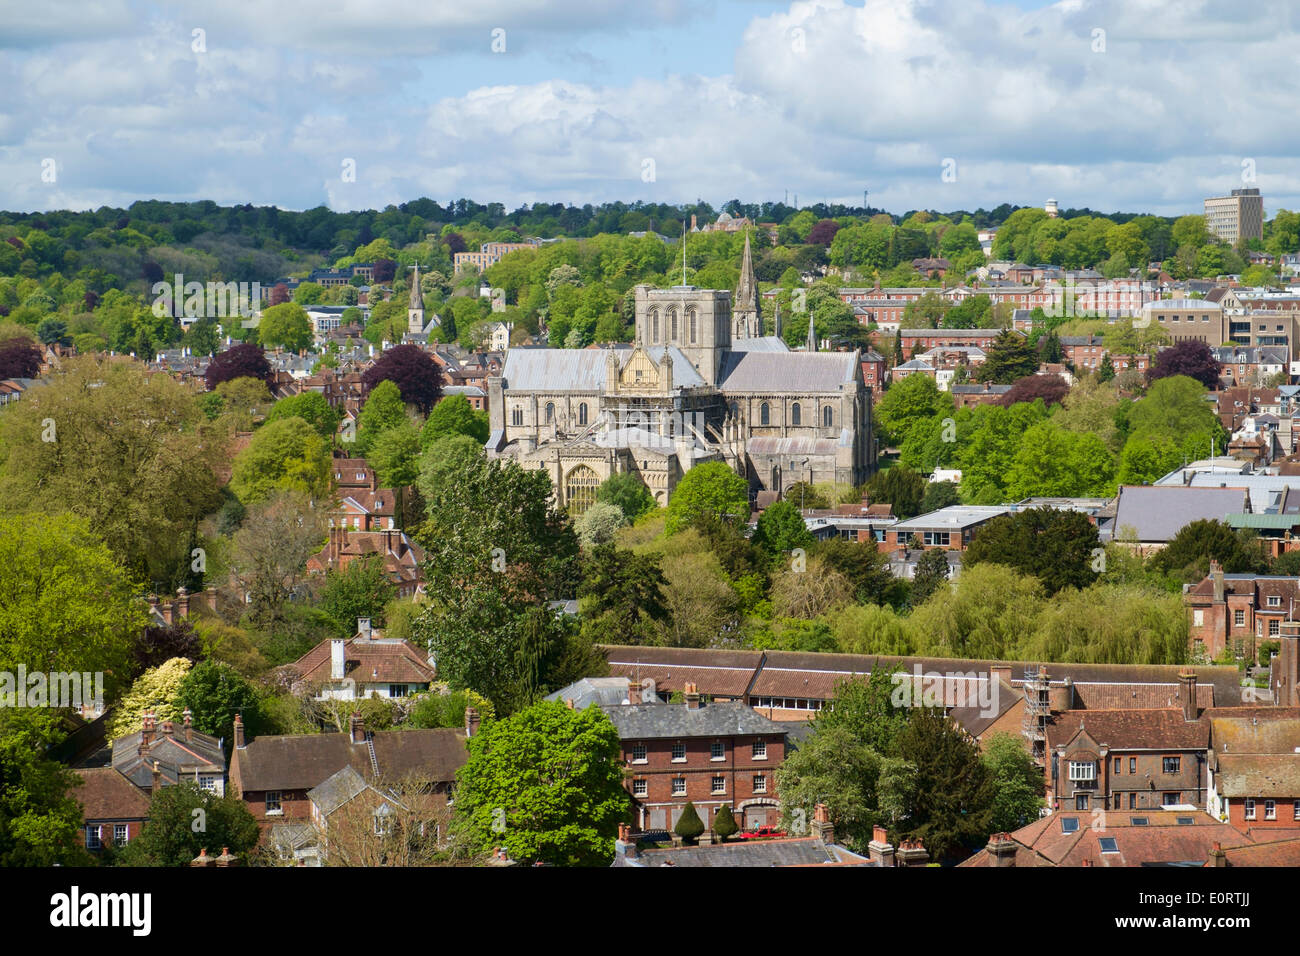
412	370
1190	358
237	362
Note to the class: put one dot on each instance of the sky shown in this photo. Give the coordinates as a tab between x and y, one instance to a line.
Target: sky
1137	106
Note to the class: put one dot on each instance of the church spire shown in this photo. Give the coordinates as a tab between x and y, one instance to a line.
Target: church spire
415	310
812	333
748	311
417	297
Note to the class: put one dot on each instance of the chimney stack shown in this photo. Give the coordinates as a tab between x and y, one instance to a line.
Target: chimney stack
188	717
822	828
880	850
1216	575
1002	850
471	721
239	733
147	730
633	692
210	592
357	726
157	777
1284	675
912	853
625	846
337	664
692	694
1187	693
363	628
182	603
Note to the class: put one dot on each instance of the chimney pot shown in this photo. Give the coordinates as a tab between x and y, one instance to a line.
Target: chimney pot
472	721
239	733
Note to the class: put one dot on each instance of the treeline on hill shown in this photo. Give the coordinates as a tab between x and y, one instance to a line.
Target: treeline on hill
86	278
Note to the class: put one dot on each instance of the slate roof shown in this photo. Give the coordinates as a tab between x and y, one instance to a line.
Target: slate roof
1256	730
786	371
1158	512
304	761
556	370
802	851
105	794
717	719
602	691
337	789
766	343
176	757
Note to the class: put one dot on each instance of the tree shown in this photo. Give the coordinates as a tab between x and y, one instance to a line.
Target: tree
835	768
243	401
689	825
987	613
553	778
1009	358
1053	462
598	524
952	803
413	371
1199	542
288	455
1051	389
237	362
128	451
708	489
53	331
454	416
1106	371
286	325
809	593
1056	546
781	529
864	566
40	819
931	571
495	546
724	823
361	589
155	691
899	486
311	407
214	693
159	643
626	490
270	551
865	708
307	293
18	359
939	494
1188	357
622	595
384	409
907	403
171	837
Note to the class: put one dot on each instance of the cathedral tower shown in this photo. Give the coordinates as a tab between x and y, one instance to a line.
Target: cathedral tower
747	310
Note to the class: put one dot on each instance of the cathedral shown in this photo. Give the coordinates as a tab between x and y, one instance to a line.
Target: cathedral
700	383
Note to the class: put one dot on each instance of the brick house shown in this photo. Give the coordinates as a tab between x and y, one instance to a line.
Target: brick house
1129	759
1237	611
711	755
273	775
1254	767
951	528
968	396
161	755
113	808
363	666
401	556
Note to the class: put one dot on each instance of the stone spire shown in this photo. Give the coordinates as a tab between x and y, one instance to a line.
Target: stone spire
812	333
415	311
747	312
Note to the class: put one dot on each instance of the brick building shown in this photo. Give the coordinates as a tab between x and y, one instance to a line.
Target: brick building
712	755
1238	611
1255	767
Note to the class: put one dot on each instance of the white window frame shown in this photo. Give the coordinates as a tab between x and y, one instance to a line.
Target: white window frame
97	832
1083	771
125	834
717	750
718	784
759	750
275	797
639	754
679	747
679	791
1250	808
1270	809
640	788
760	783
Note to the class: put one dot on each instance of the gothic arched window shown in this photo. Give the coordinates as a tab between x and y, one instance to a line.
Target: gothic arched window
517	416
672	316
550	413
764	414
828	417
582	414
580	489
654	326
795	414
692	326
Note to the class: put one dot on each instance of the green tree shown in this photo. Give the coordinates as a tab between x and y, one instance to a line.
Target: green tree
626	490
215	693
724	823
689	825
899	486
311	407
939	494
170	838
836	768
553	776
865	708
40	819
287	325
1018	784
454	416
1053	462
1198	542
1010	357
1058	547
931	571
952	804
986	613
362	589
708	489
599	524
622	595
287	455
864	566
155	691
447	710
384	409
905	404
781	529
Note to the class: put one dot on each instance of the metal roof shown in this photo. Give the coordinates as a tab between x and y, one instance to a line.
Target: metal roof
787	371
